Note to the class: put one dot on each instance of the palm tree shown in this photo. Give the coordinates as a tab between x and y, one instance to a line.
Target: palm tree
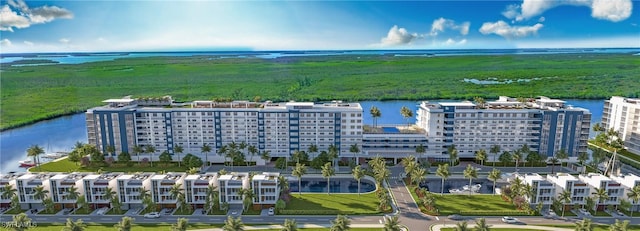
299	171
341	223
233	224
406	113
289	225
582	159
601	195
125	224
109	194
584	225
495	149
111	150
327	172
409	163
206	149
81	202
481	225
634	195
554	161
8	192
461	226
213	195
481	155
517	156
392	224
375	114
40	193
137	150
619	225
453	154
35	151
283	183
562	155
565	198
21	219
358	173
480	101
178	150
312	149
176	190
150	149
590	203
74	226
420	149
253	150
248	196
494	176
355	150
443	172
181	225
471	173
418	175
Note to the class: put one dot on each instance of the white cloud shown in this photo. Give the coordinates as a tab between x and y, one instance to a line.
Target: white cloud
28	43
398	36
452	42
5	42
612	10
64	40
505	30
24	17
442	24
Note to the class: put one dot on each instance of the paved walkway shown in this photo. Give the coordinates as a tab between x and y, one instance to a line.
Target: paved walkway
299	226
525	227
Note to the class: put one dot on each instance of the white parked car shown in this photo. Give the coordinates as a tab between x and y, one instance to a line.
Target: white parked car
152	215
272	211
509	220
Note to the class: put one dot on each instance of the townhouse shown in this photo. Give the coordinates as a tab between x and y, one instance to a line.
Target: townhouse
543	190
132	188
578	190
8	179
629	181
196	188
597	181
66	188
27	185
230	188
161	185
265	189
97	187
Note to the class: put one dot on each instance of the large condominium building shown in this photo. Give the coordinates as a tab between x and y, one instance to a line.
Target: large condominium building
578	190
33	188
629	181
97	188
545	125
623	115
64	186
161	185
280	128
601	182
543	190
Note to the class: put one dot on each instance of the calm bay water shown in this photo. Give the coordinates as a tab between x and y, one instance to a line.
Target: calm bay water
62	133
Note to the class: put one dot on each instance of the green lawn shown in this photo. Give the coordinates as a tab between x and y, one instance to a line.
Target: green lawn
64	165
598	227
113	212
15	211
498	229
83	211
475	204
307	203
32	93
44	212
109	227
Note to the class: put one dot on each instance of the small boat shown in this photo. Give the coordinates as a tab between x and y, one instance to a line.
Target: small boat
55	155
26	163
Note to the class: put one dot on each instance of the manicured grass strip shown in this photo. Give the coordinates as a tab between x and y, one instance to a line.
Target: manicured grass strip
480	205
83	211
340	203
32	93
65	165
15	211
109	227
498	229
596	227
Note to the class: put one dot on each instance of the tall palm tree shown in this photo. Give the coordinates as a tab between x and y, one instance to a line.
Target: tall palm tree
289	225
517	157
299	171
248	196
137	150
35	151
554	160
253	150
40	193
494	176
125	224
178	150
358	173
584	225
8	192
406	113
206	149
634	195
480	101
21	219
176	190
471	173
283	183
443	172
327	172
74	226
355	150
333	154
619	225
266	156
418	175
180	225
233	224
495	149
565	198
150	149
481	225
341	223
109	194
312	149
375	114
461	226
392	224
481	155
453	154
601	195
111	150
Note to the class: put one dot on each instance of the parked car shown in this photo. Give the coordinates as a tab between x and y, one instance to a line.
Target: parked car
455	217
272	211
152	215
510	220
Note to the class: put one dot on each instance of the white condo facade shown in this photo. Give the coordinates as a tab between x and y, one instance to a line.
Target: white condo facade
579	191
543	190
196	187
161	185
8	179
131	188
629	181
265	188
623	115
230	186
27	185
61	188
598	181
96	188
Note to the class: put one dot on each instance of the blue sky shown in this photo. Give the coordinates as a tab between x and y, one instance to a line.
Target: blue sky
148	25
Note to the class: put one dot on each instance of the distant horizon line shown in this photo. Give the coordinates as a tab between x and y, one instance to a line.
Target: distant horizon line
313	50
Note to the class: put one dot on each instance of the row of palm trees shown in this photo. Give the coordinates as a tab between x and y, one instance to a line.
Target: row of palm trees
126	224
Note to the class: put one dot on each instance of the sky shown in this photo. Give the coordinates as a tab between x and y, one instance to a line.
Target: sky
188	25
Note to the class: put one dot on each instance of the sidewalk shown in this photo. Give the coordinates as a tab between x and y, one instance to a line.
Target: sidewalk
299	226
525	227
